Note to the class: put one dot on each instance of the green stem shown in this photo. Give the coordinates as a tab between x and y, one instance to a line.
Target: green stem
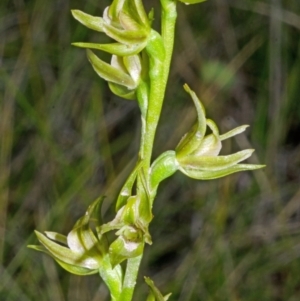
112	278
160	54
129	283
169	16
159	50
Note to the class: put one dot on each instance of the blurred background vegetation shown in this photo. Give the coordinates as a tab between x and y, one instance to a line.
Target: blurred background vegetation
65	140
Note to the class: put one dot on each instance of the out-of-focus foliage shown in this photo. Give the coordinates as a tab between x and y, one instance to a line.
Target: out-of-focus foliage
65	140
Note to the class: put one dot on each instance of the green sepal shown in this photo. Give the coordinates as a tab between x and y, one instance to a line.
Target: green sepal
145	206
57	237
163	167
113	48
126	37
143	88
124	28
131	210
214	174
73	269
135	9
127	215
214	163
128	23
76	270
64	254
95	23
115	8
133	66
110	73
142	93
236	131
82	238
122	91
210	163
191	141
128	15
210	146
126	190
122	249
137	212
155	294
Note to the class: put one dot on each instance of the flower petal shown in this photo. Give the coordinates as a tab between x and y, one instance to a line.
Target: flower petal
113	48
109	73
191	141
209	175
206	163
95	23
66	255
57	237
127	37
122	91
236	131
82	239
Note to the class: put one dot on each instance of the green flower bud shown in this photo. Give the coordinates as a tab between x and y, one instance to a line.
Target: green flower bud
135	213
95	23
197	154
129	244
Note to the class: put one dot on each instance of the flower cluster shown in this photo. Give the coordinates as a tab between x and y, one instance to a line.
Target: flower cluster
126	22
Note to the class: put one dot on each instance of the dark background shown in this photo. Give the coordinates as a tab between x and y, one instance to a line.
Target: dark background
65	140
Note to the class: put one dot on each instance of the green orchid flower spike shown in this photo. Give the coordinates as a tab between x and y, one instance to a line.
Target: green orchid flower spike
138	70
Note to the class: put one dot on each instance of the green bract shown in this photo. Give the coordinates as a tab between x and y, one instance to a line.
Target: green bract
163	167
155	294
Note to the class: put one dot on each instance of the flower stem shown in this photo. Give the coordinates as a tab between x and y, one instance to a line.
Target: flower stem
159	50
129	283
